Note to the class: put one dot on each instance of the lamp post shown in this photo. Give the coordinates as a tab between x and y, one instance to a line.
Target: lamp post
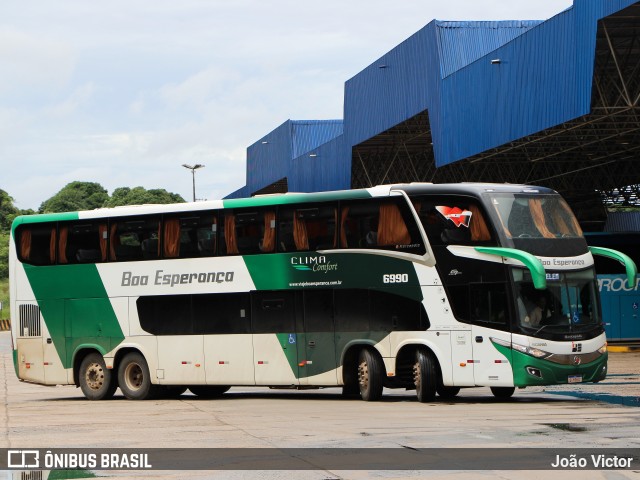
193	169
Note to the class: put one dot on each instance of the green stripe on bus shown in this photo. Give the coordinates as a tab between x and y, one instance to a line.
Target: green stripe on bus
45	217
75	307
552	373
328	358
335	270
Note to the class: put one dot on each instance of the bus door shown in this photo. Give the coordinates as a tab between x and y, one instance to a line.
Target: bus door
225	321
275	349
29	343
490	322
180	349
316	339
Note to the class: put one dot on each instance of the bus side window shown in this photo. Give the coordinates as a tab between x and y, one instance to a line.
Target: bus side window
359	225
134	239
249	232
380	224
84	242
488	303
308	228
36	244
189	236
450	221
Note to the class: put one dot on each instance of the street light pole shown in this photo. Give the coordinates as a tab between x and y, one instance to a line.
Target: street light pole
193	169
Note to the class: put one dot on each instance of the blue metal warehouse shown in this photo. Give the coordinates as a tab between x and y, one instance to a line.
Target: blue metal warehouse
550	102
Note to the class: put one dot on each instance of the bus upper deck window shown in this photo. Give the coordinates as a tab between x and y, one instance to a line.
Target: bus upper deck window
37	244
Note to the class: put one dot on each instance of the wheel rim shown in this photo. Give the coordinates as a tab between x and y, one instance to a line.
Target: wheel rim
133	376
94	376
363	376
417	375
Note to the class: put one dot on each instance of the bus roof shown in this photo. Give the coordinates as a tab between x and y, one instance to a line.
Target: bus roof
467	188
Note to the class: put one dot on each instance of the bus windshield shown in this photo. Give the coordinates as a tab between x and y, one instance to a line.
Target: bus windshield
569	303
541	224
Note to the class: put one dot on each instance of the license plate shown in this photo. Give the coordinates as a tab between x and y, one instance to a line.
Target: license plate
575	378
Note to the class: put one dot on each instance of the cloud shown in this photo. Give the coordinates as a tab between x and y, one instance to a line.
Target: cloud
123	92
70	105
33	64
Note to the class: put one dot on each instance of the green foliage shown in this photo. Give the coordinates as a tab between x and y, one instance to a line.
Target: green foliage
140	196
76	196
8	211
4	255
4	298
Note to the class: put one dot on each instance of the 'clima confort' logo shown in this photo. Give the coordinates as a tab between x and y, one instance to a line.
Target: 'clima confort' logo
317	263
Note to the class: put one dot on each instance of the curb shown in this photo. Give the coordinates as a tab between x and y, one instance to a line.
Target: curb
623	348
5	325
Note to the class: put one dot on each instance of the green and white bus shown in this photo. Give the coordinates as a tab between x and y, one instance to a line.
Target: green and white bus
418	286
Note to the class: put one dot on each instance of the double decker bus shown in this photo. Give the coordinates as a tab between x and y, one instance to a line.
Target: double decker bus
425	287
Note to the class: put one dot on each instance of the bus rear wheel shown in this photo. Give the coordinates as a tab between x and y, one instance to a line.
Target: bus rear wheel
209	391
96	381
503	392
425	377
134	378
370	381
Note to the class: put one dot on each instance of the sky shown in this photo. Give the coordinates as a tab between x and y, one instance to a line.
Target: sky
124	92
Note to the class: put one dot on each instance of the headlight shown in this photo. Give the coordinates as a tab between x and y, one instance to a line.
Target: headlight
534	352
603	349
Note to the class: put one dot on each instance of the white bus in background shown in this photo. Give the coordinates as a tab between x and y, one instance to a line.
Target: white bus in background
415	286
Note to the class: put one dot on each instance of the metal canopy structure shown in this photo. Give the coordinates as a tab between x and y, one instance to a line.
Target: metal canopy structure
554	103
591	160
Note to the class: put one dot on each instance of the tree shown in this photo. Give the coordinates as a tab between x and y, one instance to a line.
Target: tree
139	196
8	211
4	255
76	196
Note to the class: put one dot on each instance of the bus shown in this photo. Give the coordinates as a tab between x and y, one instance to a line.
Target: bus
425	287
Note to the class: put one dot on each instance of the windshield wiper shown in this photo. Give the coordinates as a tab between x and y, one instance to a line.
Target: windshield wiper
539	330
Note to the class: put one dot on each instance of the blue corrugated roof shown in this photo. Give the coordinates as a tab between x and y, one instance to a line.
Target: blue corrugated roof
462	43
309	134
270	158
544	78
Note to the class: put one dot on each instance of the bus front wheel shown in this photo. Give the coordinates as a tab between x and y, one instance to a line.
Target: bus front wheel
503	392
96	381
425	377
134	378
370	376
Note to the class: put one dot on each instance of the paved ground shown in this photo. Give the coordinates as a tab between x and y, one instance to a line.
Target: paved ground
586	416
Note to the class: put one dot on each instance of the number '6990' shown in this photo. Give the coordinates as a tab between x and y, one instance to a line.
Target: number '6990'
395	278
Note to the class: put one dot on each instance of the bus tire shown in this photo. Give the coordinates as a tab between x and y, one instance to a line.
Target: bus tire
447	392
503	392
209	391
96	381
370	379
170	391
134	378
425	377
